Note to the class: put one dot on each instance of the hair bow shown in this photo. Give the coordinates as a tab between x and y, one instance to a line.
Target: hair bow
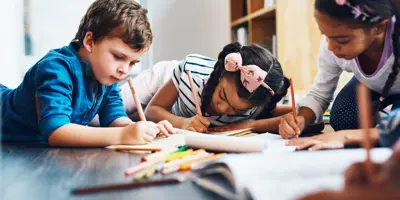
358	12
251	76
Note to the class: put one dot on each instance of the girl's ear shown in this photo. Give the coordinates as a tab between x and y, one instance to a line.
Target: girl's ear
88	42
380	28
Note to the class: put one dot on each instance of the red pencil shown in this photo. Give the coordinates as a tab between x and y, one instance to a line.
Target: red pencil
364	109
194	93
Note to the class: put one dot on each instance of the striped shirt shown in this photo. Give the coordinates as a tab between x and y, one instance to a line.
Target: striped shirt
201	68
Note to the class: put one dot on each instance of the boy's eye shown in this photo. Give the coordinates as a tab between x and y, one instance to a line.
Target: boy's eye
118	57
131	64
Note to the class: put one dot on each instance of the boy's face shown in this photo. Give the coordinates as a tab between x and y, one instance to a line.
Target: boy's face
225	99
111	59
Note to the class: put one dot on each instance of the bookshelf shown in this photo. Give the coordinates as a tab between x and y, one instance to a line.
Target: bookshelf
285	27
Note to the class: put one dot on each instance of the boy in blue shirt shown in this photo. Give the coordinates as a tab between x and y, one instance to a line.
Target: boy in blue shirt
64	90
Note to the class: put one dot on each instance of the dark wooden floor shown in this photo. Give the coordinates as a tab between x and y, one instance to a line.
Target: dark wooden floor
39	172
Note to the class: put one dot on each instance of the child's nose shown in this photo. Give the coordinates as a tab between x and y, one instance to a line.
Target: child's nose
223	107
333	47
123	69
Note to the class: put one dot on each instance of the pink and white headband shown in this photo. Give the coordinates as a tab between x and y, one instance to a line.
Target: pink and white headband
358	12
251	76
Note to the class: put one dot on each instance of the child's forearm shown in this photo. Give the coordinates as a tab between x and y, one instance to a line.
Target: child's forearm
267	125
281	110
308	114
356	136
121	122
85	136
157	113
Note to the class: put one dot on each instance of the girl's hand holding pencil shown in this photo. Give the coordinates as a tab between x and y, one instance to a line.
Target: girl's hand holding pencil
291	127
291	124
196	123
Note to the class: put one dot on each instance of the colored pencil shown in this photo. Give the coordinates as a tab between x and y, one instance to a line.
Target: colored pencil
130	185
137	101
194	93
364	109
132	148
293	101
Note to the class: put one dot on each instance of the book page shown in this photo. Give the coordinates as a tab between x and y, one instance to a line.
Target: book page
274	143
293	188
250	170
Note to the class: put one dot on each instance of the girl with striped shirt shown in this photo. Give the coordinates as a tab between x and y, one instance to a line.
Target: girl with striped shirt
239	90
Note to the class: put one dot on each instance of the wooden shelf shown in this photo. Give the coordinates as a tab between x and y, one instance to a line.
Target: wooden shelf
262	13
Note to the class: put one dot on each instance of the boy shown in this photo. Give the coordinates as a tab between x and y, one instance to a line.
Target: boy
62	92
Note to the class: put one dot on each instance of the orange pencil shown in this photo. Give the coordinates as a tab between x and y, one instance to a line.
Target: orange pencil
196	100
364	109
137	101
293	101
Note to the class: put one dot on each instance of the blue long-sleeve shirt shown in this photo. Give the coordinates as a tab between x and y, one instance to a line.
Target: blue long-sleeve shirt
59	89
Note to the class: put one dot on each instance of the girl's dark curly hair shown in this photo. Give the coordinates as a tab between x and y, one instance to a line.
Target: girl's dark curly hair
252	55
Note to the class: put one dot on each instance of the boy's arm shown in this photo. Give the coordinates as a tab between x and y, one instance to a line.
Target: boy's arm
78	135
121	122
161	104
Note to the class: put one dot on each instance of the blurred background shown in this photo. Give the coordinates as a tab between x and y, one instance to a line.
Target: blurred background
30	28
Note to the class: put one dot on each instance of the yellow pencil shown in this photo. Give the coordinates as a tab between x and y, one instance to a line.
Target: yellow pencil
178	155
151	171
144	172
188	165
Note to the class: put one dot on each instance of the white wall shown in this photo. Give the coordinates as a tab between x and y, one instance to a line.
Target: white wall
180	27
53	24
187	26
11	37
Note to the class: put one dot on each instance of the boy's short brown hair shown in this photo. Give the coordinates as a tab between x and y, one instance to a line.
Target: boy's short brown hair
124	19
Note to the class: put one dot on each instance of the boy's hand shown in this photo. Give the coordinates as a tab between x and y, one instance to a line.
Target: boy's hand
196	123
165	128
291	127
139	133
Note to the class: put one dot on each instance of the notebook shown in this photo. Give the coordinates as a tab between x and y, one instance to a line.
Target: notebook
231	141
280	175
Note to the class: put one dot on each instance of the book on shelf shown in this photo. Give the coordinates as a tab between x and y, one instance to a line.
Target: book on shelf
268	3
280	175
242	34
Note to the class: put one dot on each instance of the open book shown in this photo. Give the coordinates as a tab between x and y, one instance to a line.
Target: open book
280	175
231	141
